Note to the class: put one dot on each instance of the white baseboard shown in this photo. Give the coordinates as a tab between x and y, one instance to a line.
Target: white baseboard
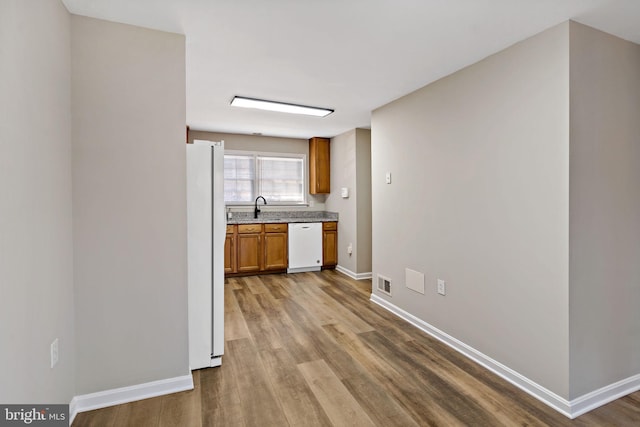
117	396
73	410
604	395
570	409
356	276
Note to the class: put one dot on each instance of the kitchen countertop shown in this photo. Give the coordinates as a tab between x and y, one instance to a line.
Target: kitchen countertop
284	217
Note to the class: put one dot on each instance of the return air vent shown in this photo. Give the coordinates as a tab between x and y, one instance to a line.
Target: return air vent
384	284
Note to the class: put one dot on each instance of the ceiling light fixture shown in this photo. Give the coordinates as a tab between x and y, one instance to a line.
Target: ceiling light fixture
282	107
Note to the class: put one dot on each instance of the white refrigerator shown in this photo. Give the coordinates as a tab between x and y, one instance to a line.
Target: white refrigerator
206	231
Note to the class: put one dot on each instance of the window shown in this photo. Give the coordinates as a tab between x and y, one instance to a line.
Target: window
239	178
280	178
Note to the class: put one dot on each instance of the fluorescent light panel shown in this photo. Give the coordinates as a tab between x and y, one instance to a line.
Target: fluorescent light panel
282	107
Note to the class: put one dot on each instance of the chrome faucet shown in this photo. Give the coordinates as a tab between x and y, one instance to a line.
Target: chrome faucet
256	210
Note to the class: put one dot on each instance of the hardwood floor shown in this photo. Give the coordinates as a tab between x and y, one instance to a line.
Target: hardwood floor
310	349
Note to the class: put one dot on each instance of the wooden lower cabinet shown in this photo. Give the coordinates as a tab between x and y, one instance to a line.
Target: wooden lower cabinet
249	248
256	248
249	242
230	251
275	247
329	244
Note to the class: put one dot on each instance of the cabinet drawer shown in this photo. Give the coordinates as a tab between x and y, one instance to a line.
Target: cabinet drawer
329	225
249	228
275	228
230	229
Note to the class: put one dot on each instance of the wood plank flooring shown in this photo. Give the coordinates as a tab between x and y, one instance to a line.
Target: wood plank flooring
310	349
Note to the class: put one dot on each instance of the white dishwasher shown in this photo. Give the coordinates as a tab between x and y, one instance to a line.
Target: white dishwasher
305	247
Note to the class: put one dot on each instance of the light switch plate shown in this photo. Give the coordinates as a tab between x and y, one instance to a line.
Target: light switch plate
54	353
387	178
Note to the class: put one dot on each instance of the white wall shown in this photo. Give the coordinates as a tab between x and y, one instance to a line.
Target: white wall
480	198
604	210
129	204
267	144
36	260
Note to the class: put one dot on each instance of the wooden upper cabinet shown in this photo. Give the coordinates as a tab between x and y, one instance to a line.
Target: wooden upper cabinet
319	166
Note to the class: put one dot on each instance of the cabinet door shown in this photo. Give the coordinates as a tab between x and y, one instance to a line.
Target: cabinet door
330	248
249	250
319	166
230	254
275	251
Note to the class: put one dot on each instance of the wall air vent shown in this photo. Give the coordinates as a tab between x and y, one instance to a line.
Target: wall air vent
384	285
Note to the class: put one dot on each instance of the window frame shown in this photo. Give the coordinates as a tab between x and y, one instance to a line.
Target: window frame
257	178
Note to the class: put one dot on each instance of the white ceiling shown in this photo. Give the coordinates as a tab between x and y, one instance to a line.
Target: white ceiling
349	55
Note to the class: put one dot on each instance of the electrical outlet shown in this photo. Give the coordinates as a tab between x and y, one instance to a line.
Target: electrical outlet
442	287
54	352
350	249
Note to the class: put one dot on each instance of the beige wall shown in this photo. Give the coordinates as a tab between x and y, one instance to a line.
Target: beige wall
604	302
129	204
36	259
343	174
480	198
351	168
363	193
267	144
